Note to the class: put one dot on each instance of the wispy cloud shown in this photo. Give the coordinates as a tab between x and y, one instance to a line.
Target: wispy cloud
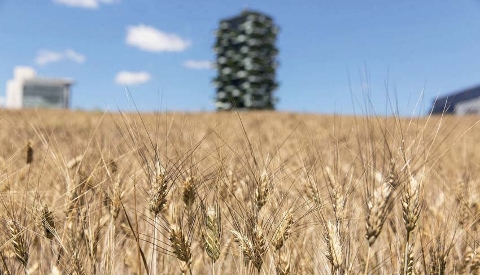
85	4
198	64
45	57
74	56
132	78
150	39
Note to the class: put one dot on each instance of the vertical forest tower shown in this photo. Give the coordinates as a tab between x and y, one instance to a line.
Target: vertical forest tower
246	62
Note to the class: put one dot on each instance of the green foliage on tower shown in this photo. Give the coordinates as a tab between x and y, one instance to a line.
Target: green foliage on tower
246	62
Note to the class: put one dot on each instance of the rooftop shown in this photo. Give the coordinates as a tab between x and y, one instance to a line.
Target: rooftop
447	103
49	81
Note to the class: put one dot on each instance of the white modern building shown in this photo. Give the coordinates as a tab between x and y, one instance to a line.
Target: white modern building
26	90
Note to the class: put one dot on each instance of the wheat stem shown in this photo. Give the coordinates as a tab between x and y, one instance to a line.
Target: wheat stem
368	260
155	249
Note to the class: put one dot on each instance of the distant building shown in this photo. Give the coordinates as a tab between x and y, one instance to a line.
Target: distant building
26	90
459	103
246	62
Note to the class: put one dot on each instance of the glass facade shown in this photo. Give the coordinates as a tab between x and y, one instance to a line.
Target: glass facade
45	95
246	62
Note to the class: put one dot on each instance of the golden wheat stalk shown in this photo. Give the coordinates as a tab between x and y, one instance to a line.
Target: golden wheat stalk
334	246
20	246
92	236
158	190
188	196
112	166
48	222
282	232
29	152
245	245
180	246
4	264
411	212
472	260
73	163
380	203
282	265
378	207
262	190
179	243
337	194
77	266
411	203
157	201
212	233
189	192
438	257
311	190
409	261
71	197
259	246
115	200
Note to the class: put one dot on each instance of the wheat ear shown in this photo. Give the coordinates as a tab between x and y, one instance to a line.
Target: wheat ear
188	197
29	152
245	246
48	222
282	265
379	205
259	247
411	212
158	198
20	247
189	192
262	190
282	232
181	248
213	233
334	247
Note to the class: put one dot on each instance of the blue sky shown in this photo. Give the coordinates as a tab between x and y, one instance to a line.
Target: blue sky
331	52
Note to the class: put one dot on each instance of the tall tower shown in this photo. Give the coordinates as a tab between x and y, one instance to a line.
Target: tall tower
246	62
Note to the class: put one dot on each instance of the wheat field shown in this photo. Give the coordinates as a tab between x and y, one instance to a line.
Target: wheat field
238	193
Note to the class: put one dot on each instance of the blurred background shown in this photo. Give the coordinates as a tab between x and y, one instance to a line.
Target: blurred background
332	56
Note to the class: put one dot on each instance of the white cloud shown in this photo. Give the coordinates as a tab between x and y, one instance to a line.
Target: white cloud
86	4
74	56
198	64
148	38
2	101
46	56
131	78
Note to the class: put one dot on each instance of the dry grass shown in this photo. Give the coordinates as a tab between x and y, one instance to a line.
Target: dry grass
248	193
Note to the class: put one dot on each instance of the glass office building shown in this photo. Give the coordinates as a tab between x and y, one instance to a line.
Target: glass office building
26	90
46	93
